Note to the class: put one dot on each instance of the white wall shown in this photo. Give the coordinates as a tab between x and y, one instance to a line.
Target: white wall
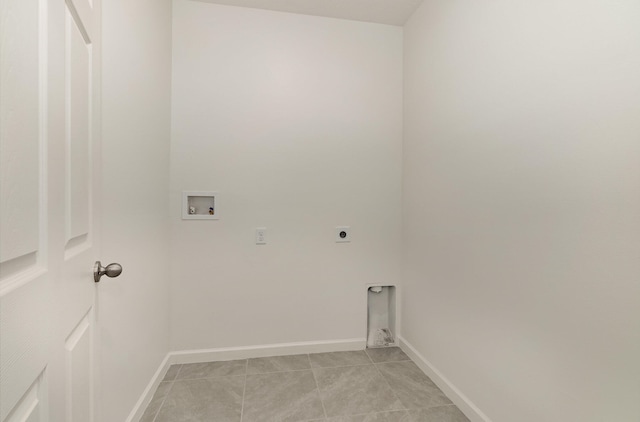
297	121
522	204
134	308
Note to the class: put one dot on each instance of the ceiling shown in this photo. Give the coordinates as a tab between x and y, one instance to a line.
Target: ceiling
390	12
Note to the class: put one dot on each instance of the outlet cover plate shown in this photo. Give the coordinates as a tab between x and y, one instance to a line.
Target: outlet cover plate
261	236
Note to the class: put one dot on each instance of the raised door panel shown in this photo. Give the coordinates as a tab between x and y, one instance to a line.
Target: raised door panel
76	283
79	372
25	293
33	406
25	329
22	137
20	118
78	102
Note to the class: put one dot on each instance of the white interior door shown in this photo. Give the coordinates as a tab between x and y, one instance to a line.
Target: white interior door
49	193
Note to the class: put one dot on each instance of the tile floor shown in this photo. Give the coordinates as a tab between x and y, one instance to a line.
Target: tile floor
376	385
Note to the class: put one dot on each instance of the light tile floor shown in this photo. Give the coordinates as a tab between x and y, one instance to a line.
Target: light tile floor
376	385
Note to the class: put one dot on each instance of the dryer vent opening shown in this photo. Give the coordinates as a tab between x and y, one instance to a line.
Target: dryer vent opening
381	316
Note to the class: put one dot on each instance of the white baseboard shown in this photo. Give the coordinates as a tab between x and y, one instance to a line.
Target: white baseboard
148	392
457	397
232	353
283	349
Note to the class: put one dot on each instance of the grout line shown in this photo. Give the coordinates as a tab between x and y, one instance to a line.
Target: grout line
210	378
279	372
273	372
374	413
367	353
390	387
317	388
341	366
394	392
393	361
244	389
163	400
177	373
434	406
307	369
309	360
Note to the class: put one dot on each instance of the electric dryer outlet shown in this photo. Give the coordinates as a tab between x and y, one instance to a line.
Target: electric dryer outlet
343	234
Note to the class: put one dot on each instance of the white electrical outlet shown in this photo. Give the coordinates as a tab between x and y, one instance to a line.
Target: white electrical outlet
343	234
261	236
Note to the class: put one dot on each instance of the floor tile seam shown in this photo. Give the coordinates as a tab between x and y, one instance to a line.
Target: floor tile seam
421	371
371	413
162	403
392	361
182	365
368	356
165	379
280	372
342	366
433	407
393	391
324	410
211	378
244	390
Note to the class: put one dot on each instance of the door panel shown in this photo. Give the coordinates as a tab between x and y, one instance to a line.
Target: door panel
79	371
78	102
25	293
32	407
49	163
20	120
75	287
24	324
